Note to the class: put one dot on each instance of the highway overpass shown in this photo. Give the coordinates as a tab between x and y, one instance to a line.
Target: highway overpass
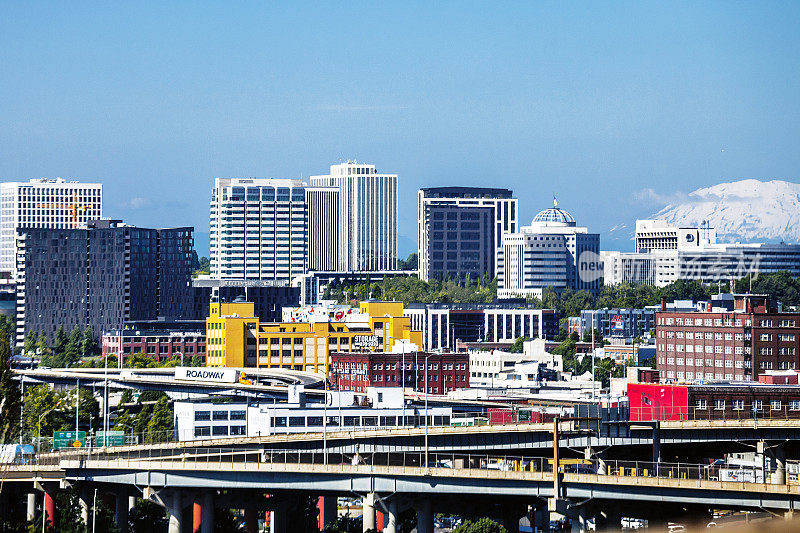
261	475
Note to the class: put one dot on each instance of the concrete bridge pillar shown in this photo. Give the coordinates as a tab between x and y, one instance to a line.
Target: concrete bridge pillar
609	519
779	453
425	516
368	512
207	513
578	520
175	513
328	511
49	506
251	520
30	511
197	511
279	520
657	442
391	516
83	502
121	507
541	518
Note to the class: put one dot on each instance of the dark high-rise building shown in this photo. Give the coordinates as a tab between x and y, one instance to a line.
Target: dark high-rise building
268	296
460	242
101	276
454	236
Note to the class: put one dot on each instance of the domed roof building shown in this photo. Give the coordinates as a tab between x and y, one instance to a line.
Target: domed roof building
554	216
553	252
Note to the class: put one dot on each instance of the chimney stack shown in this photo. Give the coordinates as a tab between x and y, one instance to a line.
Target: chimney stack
663	303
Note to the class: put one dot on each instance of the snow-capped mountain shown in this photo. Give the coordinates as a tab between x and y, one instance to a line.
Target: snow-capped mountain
742	211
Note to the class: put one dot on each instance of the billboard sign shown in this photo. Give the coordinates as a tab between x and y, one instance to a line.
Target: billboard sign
365	341
216	375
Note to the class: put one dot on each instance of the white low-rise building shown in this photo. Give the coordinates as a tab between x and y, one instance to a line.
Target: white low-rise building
206	420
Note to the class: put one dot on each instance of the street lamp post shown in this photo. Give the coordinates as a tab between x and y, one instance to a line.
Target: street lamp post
325	422
39	428
426	412
594	398
106	411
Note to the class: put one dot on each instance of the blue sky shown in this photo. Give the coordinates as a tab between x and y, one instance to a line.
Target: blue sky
591	101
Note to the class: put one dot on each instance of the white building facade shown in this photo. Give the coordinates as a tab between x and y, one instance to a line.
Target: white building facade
259	229
367	216
553	252
666	254
323	228
44	203
443	324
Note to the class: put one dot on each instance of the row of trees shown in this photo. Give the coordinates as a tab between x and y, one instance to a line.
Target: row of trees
409	289
66	349
780	285
46	410
151	417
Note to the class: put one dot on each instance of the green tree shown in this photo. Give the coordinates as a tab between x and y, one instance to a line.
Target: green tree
41	344
483	525
411	263
29	345
147	517
161	423
74	345
196	361
60	342
42	402
10	401
7	325
89	345
518	345
203	267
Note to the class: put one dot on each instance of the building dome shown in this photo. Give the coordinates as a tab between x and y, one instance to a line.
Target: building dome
554	215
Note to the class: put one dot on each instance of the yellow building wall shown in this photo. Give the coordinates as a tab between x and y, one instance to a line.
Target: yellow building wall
226	333
299	345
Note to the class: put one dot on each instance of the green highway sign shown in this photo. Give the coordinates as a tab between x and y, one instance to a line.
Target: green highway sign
115	438
68	439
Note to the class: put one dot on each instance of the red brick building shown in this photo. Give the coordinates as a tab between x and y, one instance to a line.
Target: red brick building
161	344
720	344
357	371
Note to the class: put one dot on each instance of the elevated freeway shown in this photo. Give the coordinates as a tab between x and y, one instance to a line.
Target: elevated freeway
512	486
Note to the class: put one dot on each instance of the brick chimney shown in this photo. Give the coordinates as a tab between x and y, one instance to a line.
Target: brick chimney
663	303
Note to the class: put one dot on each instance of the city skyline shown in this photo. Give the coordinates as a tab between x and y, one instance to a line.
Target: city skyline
592	104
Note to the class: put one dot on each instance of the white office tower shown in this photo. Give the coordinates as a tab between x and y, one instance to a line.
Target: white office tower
666	253
259	229
367	236
552	252
44	203
323	228
652	235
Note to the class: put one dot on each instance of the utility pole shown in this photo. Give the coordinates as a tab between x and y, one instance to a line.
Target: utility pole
77	403
106	410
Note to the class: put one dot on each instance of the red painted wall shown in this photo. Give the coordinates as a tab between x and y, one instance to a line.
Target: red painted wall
651	401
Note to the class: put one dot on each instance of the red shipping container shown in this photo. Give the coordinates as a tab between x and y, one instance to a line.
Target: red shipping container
500	416
651	401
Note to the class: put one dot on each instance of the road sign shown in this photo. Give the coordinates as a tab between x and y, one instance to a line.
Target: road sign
115	438
67	439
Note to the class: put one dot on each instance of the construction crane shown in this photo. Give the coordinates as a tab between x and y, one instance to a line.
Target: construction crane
74	207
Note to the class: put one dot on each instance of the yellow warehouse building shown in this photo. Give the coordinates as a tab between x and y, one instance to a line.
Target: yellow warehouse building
236	338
